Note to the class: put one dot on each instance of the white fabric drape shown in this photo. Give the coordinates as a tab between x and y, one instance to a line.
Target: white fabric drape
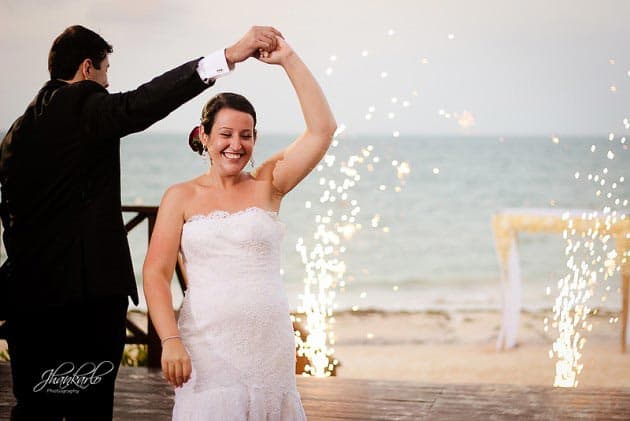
508	222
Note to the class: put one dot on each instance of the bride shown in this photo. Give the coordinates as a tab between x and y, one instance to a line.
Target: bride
231	354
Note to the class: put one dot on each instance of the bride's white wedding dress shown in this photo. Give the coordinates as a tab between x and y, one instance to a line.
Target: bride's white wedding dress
235	321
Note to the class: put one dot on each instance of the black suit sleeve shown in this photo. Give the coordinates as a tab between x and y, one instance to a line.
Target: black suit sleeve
107	115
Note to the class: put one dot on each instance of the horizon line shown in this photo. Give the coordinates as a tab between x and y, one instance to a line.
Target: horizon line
3	131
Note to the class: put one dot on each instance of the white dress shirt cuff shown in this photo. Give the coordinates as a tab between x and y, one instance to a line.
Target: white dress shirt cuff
213	66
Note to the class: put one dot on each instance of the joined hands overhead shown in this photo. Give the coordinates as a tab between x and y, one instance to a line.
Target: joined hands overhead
258	41
279	55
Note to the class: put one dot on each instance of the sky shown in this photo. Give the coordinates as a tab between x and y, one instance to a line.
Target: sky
485	67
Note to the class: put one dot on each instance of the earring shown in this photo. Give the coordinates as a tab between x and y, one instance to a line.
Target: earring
204	153
251	162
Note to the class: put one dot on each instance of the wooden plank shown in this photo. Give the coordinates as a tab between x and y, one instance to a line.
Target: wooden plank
530	402
134	222
142	394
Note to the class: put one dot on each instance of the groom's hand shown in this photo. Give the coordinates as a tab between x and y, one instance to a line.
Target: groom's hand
256	39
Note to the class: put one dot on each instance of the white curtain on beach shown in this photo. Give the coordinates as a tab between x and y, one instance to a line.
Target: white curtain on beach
508	222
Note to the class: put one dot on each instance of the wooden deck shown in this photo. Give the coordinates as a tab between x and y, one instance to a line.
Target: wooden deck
141	394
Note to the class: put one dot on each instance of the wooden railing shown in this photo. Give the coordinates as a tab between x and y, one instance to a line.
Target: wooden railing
138	335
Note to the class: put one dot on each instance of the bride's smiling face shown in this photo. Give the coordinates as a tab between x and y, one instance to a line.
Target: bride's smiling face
231	140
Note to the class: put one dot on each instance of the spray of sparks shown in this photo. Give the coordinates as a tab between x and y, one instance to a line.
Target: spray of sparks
591	261
336	222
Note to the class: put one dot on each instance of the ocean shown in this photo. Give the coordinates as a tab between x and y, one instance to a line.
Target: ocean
430	245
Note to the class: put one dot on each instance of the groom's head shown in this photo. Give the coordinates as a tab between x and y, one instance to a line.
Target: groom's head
79	54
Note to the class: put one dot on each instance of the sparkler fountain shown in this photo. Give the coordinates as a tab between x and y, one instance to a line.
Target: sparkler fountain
591	262
336	223
324	265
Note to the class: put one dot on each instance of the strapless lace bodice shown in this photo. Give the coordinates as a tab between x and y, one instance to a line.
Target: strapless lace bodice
235	320
220	246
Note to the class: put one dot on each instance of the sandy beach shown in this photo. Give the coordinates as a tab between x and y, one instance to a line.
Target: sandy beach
459	347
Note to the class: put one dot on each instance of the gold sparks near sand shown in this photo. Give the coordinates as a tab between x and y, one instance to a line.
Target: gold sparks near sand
336	224
324	266
591	261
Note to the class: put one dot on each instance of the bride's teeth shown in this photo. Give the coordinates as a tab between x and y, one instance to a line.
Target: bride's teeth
232	155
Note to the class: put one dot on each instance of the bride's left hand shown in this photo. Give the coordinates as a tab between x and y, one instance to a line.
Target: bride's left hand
278	56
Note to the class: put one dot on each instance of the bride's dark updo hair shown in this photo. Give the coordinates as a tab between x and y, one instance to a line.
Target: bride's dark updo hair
217	103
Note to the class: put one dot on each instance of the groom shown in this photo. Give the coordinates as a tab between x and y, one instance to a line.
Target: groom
68	276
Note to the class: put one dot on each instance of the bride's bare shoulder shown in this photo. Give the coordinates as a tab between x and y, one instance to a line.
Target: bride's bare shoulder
180	192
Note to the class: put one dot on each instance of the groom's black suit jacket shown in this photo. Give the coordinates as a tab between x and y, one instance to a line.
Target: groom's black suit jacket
60	175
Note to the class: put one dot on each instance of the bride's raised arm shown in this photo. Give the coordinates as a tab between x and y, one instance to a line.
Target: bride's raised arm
288	167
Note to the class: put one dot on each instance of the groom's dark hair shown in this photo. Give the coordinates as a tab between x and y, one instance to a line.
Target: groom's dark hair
71	47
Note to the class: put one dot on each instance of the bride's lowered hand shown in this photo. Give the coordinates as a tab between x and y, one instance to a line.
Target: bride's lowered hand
175	362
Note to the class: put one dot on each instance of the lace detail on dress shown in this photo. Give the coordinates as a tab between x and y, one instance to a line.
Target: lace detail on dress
235	320
221	214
